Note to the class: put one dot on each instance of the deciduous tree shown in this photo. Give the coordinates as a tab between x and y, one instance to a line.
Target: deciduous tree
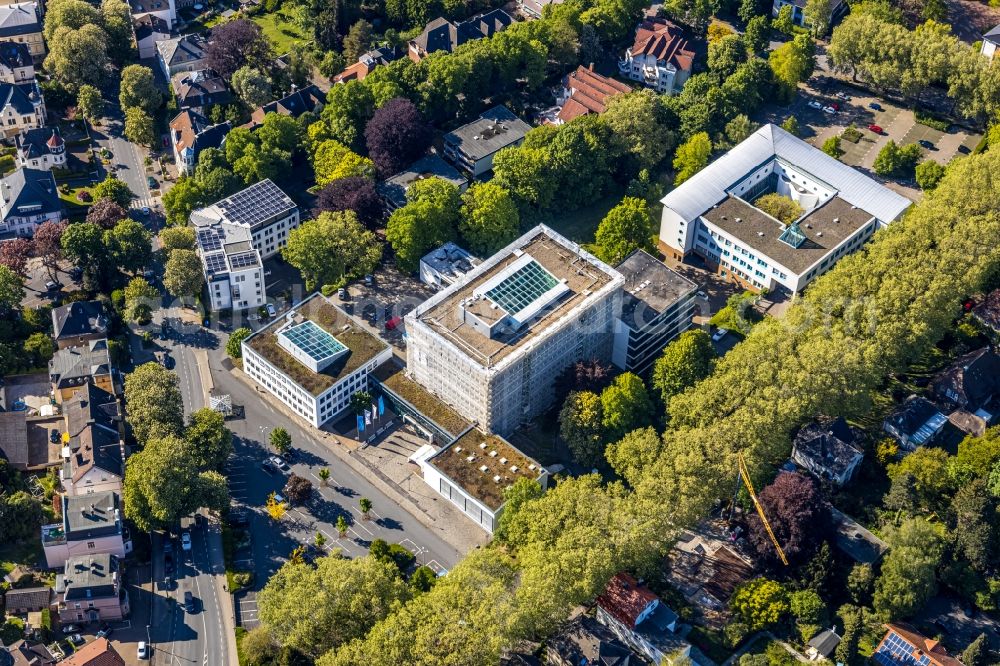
141	298
106	213
114	189
333	161
48	245
428	219
396	135
177	238
625	229
139	127
581	425
90	102
908	576
236	44
354	193
182	275
280	440
234	346
298	489
691	157
929	173
332	248
625	406
251	86
684	362
14	254
760	603
489	218
129	245
138	89
153	405
208	439
798	515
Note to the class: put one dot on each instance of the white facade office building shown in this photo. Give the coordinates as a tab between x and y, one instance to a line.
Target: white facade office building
492	344
234	272
314	358
713	214
262	209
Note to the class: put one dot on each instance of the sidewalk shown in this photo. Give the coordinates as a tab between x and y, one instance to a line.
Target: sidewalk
214	534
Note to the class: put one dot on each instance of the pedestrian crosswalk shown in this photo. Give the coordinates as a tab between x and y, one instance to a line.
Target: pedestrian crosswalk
142	202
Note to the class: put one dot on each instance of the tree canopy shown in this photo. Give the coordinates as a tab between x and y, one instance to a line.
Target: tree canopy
332	248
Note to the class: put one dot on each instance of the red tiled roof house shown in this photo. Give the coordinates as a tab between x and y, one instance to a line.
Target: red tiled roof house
636	616
585	91
659	57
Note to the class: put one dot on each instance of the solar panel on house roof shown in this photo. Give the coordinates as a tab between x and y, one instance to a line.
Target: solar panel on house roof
215	263
209	240
313	341
256	204
897	652
243	260
522	288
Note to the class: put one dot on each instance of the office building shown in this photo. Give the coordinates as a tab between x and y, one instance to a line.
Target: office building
262	209
234	272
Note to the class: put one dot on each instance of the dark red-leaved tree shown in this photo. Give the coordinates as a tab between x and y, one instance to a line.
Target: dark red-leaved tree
14	254
106	213
235	44
48	245
396	136
298	489
799	517
592	375
352	193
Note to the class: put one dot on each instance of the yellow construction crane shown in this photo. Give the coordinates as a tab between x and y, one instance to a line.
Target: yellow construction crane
745	475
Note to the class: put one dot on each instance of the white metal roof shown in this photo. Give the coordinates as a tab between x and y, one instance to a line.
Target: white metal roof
708	187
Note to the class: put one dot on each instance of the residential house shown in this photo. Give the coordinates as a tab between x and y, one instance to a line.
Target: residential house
200	89
902	644
443	35
30	199
534	8
72	368
165	10
314	359
27	600
297	102
27	653
191	133
585	91
657	306
446	265
22	107
471	147
93	451
149	29
234	271
829	449
970	387
660	57
181	54
99	652
584	640
367	62
987	313
713	214
474	470
79	322
799	18
92	590
822	645
22	23
16	63
262	209
916	423
991	41
40	148
91	525
640	620
393	190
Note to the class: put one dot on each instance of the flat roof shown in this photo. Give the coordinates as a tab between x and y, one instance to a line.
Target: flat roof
394	378
495	129
361	345
651	288
825	227
429	166
253	207
91	515
578	271
463	461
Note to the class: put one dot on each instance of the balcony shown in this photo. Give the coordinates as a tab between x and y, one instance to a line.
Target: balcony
624	65
53	535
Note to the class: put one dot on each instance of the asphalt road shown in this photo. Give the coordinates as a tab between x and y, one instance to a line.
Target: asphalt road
125	155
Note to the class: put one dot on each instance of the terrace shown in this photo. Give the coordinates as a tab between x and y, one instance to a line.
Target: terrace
484	466
361	346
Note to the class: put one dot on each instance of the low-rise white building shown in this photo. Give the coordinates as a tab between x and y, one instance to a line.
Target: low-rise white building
91	525
492	344
314	358
472	146
262	209
991	42
446	265
660	57
713	214
473	471
234	271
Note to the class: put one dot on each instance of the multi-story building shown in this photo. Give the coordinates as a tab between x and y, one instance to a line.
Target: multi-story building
149	31
660	57
22	107
713	214
16	64
472	146
443	35
165	10
314	358
638	618
534	8
585	91
78	323
92	590
902	644
294	104
446	265
473	471
93	450
28	199
799	18
181	54
234	272
22	23
657	306
262	209
393	190
200	89
40	148
367	62
492	344
72	368
91	525
191	133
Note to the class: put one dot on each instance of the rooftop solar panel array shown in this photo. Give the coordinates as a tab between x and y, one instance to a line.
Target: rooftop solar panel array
243	260
313	341
897	652
256	204
209	240
215	263
522	288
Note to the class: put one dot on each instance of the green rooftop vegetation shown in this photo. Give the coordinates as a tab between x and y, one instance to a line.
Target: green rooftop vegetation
393	377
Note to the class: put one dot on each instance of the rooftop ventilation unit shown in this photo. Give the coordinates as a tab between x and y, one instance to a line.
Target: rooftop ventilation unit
513	469
739	219
482	445
484	468
760	233
819	233
503	461
531	466
496	479
471	458
458	449
493	454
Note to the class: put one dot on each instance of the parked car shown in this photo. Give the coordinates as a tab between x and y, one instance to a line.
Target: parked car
829	109
105	631
702	295
835	105
152	182
278	462
844	96
875	128
268	466
926	144
188	601
169	362
719	334
70	629
186	540
271	312
54	436
393	323
143	651
168	564
814	104
52	285
369	280
875	106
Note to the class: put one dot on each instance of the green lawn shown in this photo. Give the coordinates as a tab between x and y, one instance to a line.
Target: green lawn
281	33
74	207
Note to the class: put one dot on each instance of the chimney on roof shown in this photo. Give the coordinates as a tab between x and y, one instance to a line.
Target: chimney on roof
591	67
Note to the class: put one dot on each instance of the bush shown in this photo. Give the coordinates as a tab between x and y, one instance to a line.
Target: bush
84	196
927	119
851	133
832	147
780	207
